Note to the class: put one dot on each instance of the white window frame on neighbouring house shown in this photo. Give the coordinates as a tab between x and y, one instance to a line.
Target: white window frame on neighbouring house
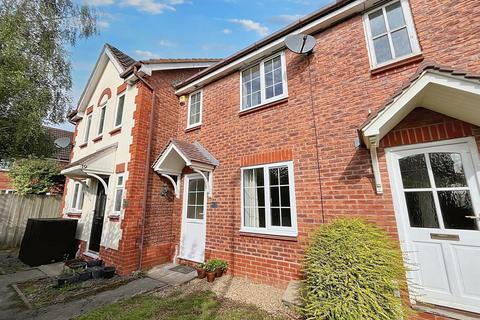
119	191
116	123
77	197
263	99
269	229
7	191
101	119
200	106
88	125
409	26
5	165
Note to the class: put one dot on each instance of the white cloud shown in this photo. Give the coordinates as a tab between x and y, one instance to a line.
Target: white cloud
250	25
99	2
167	43
103	24
152	6
285	18
227	31
145	55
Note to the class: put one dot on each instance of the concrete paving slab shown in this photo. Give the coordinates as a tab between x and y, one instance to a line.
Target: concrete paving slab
52	269
173	278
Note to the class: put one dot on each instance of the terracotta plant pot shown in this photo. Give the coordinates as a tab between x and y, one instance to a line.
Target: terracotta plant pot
219	272
201	273
211	276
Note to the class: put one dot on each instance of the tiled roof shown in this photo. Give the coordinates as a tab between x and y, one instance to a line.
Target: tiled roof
122	58
91	156
426	65
180	60
192	151
63	154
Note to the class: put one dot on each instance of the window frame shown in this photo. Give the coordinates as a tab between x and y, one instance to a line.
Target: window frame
102	107
411	30
74	207
117	187
199	123
261	63
115	126
88	127
269	229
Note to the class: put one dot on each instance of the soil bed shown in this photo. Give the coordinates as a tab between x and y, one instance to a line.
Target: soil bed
43	292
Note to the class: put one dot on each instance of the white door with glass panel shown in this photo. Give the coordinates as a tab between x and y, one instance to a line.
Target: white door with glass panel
192	244
437	202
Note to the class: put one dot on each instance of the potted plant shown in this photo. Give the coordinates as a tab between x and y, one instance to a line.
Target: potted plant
210	268
108	272
68	276
223	266
97	272
201	273
94	263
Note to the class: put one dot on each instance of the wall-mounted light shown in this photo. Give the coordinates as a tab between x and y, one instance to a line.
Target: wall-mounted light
164	190
182	100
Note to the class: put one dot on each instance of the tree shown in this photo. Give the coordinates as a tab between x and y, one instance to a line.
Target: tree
36	73
35	176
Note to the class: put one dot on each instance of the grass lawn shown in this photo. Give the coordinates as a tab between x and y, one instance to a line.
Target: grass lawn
197	305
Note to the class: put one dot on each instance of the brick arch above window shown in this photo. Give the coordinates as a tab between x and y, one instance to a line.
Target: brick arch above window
106	92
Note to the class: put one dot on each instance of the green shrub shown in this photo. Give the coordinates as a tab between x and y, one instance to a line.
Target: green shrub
353	271
210	266
35	176
219	263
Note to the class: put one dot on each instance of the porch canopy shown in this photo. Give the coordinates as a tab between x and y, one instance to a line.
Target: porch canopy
441	89
97	164
177	155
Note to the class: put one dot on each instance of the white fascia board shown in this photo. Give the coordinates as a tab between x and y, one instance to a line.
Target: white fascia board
149	68
323	22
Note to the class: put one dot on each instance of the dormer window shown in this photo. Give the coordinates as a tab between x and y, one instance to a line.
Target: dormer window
390	33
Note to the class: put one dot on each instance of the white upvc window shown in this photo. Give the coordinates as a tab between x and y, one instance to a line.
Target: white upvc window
101	120
87	128
390	33
264	82
268	199
77	199
119	110
5	164
119	186
195	105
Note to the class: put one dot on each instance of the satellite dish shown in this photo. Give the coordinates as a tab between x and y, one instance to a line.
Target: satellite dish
62	142
300	43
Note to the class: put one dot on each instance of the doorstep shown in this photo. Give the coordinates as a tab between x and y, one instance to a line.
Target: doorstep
174	278
446	312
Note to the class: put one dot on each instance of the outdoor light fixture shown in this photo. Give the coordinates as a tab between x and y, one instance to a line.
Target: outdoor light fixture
164	190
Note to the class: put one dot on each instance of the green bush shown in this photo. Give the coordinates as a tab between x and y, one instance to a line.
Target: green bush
353	270
35	176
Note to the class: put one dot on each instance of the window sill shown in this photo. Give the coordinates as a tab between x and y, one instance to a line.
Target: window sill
83	145
263	106
193	128
268	236
397	64
115	131
114	217
97	139
91	254
74	214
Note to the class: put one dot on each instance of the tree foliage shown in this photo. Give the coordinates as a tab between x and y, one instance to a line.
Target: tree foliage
35	176
353	271
36	73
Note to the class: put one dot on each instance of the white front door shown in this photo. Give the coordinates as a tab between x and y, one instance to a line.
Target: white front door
437	204
192	243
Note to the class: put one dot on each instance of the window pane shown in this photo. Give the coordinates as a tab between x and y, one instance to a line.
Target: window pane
102	120
191	198
121	102
254	217
192	185
277	75
261	197
256	99
285	196
269	92
277	63
274	176
87	129
256	72
447	170
75	195
382	49
200	198
283	175
80	200
456	206
259	176
421	209
268	79
268	66
286	218
256	85
199	212
395	16
191	212
200	185
118	200
414	172
246	75
278	89
275	217
120	181
401	43
261	218
275	196
377	23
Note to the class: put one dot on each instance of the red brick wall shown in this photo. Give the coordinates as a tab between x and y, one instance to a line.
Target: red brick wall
5	181
344	91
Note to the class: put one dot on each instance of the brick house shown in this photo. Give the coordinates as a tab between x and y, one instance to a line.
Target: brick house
379	121
62	155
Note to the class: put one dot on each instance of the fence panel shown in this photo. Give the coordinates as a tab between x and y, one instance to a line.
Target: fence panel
15	211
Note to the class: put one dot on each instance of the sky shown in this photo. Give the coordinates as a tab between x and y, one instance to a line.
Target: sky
147	29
